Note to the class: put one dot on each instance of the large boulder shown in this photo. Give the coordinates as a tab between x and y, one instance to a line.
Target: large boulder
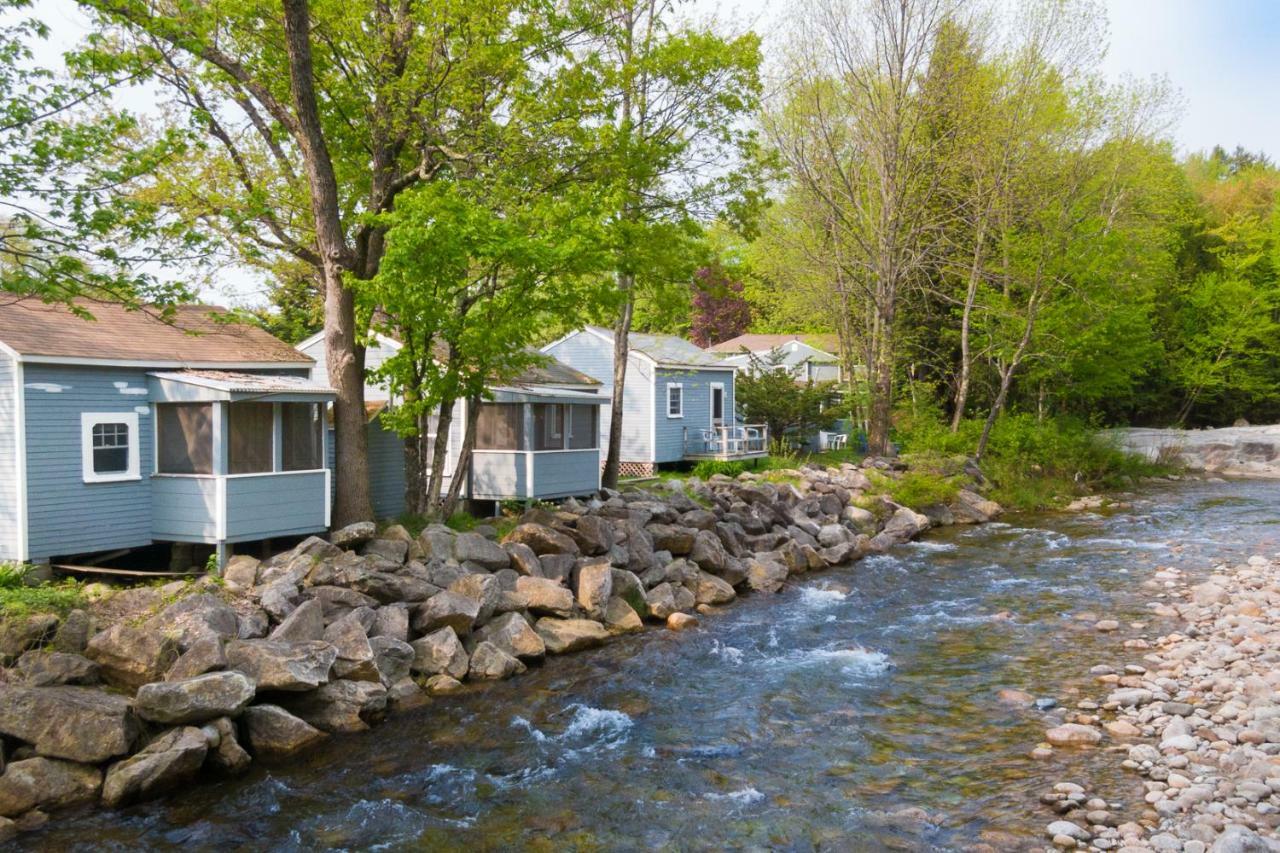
272	732
485	553
709	552
595	585
660	602
488	661
43	783
446	609
904	525
131	655
484	590
205	655
542	539
241	571
391	621
440	653
545	596
593	534
355	655
435	542
353	535
194	700
166	762
306	622
971	508
630	589
283	666
713	590
196	617
621	618
570	635
676	540
76	723
765	575
392	550
511	633
394	659
523	559
389	588
341	706
39	668
337	601
19	633
225	751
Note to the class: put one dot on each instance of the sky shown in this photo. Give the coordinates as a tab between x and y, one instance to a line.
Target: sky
1221	56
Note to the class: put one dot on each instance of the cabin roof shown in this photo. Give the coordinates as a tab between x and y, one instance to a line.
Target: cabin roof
194	335
246	383
764	343
665	350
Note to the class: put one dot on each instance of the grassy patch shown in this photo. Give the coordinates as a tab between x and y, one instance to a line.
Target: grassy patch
708	468
20	598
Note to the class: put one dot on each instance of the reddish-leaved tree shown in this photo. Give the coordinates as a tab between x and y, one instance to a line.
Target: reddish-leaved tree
719	310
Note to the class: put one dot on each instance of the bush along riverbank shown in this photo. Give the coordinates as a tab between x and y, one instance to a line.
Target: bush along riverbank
149	687
1196	713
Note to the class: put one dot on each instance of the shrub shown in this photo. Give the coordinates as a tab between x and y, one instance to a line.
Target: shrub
44	598
13	575
917	487
708	468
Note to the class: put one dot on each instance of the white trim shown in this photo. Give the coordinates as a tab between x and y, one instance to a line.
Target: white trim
669	386
220	509
10	351
711	402
328	472
653	415
88	420
20	452
328	498
153	364
273	473
528	473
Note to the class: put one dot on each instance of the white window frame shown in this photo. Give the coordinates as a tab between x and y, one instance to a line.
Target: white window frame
88	420
680	386
711	403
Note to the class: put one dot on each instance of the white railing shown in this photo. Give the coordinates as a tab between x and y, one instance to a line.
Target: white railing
727	442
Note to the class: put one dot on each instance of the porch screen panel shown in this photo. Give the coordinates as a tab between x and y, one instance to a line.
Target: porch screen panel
548	426
300	432
500	426
249	443
184	436
583	428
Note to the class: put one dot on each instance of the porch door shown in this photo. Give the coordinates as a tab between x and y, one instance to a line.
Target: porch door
717	404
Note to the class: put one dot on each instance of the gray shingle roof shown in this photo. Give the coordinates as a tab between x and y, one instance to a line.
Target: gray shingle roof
667	350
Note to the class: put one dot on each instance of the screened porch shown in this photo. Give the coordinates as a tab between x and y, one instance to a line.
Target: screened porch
238	457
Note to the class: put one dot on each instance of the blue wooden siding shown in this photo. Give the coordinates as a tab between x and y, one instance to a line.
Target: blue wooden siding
562	473
259	507
696	392
184	509
10	537
65	515
386	470
499	475
593	356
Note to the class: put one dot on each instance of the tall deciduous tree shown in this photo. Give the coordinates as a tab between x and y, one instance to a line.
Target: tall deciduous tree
719	311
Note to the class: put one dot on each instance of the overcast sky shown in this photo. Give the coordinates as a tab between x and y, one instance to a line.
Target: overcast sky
1223	56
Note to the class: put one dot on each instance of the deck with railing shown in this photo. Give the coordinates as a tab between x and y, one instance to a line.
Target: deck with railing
741	441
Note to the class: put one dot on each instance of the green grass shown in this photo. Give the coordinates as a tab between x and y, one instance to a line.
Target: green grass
917	488
20	598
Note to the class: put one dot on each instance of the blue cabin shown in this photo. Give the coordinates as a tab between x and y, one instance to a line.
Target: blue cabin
125	430
537	436
678	399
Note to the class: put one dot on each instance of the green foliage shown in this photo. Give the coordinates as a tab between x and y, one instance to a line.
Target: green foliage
917	487
708	468
18	598
13	575
768	393
211	566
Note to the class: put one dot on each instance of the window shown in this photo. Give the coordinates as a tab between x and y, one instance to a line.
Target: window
301	437
184	438
548	426
250	443
109	444
500	426
583	427
675	400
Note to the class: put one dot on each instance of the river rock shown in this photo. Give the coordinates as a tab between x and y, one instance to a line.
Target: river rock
484	590
490	662
595	585
681	621
570	635
391	621
713	590
523	560
621	618
511	633
205	655
542	539
709	552
275	733
765	575
354	654
393	658
660	602
43	783
903	526
225	752
131	655
593	535
341	706
194	700
443	685
440	652
474	548
446	609
40	668
169	760
1130	697
76	723
545	596
676	540
284	666
971	508
1073	734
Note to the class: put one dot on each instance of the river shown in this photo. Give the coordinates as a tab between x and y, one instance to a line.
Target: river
800	721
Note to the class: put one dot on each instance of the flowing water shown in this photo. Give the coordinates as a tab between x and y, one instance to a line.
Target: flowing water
806	720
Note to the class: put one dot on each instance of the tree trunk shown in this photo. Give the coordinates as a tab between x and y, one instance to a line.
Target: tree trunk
1006	379
346	368
621	351
439	460
966	320
463	468
417	451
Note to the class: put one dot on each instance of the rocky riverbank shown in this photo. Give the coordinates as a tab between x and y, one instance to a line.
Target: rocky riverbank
152	687
1194	712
